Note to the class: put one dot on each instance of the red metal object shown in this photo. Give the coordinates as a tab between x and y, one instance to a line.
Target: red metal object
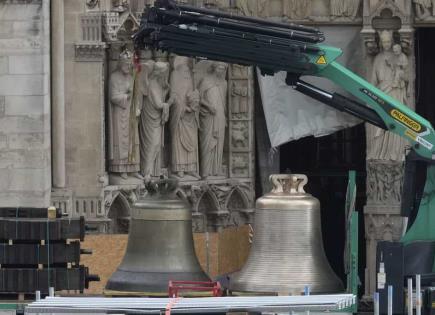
136	62
170	305
175	287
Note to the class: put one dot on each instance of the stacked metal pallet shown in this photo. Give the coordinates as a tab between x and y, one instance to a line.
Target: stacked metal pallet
40	249
216	305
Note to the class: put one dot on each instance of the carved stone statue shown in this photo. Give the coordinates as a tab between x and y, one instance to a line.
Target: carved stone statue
120	5
384	182
239	72
297	9
263	9
124	139
221	4
422	8
245	7
213	102
344	8
184	121
399	63
240	99
155	114
390	74
240	135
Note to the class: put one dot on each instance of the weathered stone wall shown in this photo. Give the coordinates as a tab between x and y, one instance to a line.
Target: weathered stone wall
25	176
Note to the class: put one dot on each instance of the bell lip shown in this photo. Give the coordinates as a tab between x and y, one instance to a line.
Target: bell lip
114	293
248	289
334	285
150	282
252	292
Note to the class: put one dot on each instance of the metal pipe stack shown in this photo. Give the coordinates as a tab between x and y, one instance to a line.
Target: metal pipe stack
197	32
40	249
320	303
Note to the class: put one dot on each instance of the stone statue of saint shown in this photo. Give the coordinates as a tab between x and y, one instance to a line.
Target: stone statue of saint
297	9
221	4
422	8
213	102
245	7
239	95
344	8
263	9
389	74
184	119
124	112
155	114
399	63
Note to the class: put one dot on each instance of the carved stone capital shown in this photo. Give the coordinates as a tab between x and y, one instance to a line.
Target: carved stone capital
407	40
368	36
383	227
218	220
118	201
248	215
131	193
219	205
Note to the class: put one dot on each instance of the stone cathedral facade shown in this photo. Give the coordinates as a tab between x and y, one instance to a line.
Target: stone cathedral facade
83	121
166	98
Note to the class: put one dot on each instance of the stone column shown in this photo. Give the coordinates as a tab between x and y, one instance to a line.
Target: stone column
58	93
240	115
390	66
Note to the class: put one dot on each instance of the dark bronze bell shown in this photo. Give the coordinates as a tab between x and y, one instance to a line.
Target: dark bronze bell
160	244
287	252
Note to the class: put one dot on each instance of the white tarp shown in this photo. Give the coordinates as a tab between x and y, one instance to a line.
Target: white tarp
290	115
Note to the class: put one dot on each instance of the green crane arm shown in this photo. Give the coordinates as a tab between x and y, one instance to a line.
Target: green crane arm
397	117
273	47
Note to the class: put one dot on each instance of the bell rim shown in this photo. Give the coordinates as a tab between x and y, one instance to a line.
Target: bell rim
151	282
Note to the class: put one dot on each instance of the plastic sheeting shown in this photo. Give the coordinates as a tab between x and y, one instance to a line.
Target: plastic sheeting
291	115
423	227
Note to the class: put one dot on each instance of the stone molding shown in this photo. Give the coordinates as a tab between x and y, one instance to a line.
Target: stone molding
214	205
90	52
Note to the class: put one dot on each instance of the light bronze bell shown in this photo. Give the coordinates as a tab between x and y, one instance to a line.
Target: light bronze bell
287	252
160	244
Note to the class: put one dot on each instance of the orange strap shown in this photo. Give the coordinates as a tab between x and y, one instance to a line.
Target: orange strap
171	303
